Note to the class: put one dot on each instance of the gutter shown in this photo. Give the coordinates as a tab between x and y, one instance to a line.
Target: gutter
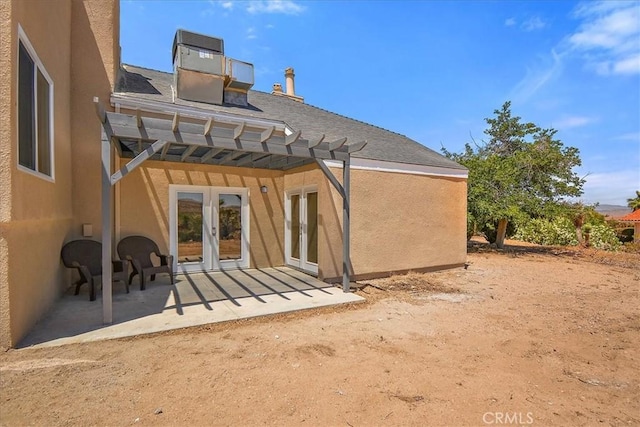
132	103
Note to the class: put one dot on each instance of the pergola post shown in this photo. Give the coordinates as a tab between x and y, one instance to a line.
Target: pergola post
107	312
346	287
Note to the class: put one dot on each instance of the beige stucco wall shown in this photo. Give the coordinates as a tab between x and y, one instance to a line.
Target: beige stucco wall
406	222
143	203
95	61
74	39
5	168
399	222
36	212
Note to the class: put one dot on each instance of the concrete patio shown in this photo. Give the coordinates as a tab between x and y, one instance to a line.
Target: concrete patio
194	299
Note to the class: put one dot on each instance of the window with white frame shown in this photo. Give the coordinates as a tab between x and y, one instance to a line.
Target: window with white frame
35	111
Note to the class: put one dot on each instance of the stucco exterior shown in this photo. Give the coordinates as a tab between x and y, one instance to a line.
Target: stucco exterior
404	222
399	221
37	214
96	61
143	203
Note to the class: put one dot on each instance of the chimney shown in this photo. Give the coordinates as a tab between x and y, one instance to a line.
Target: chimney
288	77
291	91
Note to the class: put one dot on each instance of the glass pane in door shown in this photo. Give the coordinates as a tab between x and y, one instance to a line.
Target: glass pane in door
295	226
312	227
230	226
190	227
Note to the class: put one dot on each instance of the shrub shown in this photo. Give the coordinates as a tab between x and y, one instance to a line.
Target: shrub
559	231
471	226
604	237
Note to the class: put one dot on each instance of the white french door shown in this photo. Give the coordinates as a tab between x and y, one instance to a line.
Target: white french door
301	228
209	227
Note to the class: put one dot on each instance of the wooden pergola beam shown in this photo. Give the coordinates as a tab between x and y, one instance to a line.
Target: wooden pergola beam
187	152
239	130
346	226
254	157
316	142
337	144
231	156
208	126
266	161
352	148
266	134
210	154
290	139
175	123
123	127
138	160
165	149
331	177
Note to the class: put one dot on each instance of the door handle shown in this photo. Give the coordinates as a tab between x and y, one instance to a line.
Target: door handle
213	231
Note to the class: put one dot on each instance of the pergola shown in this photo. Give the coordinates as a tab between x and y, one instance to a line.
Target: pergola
240	142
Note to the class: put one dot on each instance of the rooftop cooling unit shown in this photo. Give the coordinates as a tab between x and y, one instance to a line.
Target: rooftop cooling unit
203	74
240	74
199	66
187	38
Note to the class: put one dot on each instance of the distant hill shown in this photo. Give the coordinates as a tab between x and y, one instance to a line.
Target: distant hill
613	211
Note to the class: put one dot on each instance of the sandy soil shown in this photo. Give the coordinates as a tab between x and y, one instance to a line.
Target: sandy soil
523	336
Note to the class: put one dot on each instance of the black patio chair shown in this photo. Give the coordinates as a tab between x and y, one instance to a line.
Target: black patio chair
138	250
86	257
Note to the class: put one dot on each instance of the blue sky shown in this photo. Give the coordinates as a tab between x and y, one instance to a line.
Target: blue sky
433	70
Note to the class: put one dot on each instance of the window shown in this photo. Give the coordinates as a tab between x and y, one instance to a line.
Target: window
35	112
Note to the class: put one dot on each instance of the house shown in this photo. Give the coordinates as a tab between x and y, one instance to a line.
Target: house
634	218
220	175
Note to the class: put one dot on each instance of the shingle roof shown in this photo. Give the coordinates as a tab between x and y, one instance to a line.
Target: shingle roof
382	144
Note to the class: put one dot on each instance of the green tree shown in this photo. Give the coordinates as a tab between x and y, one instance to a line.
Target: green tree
521	172
634	203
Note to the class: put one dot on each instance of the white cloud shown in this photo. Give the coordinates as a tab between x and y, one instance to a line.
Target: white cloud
629	65
631	136
607	39
286	7
530	24
568	122
533	23
535	79
251	33
609	36
613	187
214	6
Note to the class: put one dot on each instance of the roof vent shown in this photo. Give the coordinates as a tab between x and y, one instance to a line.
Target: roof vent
203	74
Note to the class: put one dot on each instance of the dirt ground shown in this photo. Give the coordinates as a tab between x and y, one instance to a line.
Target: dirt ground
523	336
